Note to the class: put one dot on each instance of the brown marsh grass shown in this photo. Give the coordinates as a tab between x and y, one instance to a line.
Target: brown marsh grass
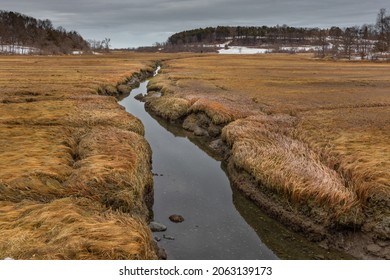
170	108
71	228
315	131
75	180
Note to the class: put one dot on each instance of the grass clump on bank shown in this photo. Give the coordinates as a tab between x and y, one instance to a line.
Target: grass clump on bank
289	167
69	229
171	108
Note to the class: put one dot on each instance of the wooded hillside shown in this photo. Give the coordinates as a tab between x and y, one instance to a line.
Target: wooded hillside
354	40
24	34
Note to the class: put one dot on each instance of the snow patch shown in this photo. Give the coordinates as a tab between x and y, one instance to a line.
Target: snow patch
301	49
243	50
246	50
17	49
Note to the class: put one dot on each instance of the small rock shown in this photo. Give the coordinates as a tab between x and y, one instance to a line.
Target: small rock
190	123
157	238
319	257
219	146
216	144
168	237
176	218
157	227
200	131
140	97
373	248
161	254
214	130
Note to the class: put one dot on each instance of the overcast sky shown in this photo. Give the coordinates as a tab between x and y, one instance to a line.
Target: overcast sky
131	23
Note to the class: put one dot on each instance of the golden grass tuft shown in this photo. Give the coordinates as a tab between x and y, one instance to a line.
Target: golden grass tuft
95	110
171	108
358	148
32	154
218	113
71	228
288	167
113	167
159	83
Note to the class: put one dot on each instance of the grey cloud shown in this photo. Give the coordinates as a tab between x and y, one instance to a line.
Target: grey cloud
133	22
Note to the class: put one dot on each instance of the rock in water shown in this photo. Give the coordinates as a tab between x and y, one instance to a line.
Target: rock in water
176	218
157	227
140	97
168	237
162	255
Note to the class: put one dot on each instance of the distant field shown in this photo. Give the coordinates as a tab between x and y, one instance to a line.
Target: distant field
65	75
74	168
281	83
316	131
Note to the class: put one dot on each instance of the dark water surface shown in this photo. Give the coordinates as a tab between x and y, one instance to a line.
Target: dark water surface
219	222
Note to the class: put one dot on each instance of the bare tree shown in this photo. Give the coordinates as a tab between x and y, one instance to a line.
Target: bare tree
322	42
383	27
381	21
349	40
106	44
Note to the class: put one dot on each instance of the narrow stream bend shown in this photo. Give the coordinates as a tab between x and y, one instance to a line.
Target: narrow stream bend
219	222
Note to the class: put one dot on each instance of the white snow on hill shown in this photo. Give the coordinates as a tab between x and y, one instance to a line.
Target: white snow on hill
246	50
243	50
17	49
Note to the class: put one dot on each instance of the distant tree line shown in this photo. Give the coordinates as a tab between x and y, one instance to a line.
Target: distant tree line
18	30
345	41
